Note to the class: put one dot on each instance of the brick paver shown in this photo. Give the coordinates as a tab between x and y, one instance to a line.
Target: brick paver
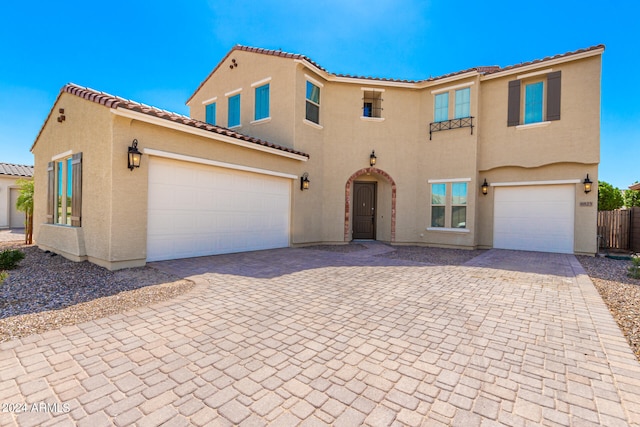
308	337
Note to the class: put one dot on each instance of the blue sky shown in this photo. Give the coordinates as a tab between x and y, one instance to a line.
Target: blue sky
157	52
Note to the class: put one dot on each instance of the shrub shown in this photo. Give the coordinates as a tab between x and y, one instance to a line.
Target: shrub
10	258
634	270
3	275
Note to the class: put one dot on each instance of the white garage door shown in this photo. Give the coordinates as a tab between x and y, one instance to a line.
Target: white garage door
534	218
197	210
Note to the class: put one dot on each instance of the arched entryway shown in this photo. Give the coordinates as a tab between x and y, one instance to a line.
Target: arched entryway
348	199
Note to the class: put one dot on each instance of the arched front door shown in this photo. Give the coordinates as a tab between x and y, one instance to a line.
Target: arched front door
364	210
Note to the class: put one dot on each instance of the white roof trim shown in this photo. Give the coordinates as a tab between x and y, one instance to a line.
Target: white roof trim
544	63
200	160
521	183
134	115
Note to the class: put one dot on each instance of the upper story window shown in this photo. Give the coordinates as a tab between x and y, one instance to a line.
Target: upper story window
262	102
64	203
534	98
463	103
234	111
313	103
210	113
372	103
533	102
441	110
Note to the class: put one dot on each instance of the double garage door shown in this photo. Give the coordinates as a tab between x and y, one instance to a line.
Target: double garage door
197	210
534	218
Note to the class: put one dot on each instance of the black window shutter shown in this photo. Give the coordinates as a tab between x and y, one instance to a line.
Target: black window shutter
513	108
76	195
51	192
553	95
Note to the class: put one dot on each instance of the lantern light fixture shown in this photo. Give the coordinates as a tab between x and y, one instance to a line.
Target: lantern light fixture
587	184
133	160
372	158
304	181
485	187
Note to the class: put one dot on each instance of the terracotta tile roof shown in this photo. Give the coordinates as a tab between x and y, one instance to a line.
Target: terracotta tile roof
481	69
112	101
549	58
634	186
16	170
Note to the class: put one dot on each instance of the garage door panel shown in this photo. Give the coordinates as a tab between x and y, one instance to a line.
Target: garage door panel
536	218
206	210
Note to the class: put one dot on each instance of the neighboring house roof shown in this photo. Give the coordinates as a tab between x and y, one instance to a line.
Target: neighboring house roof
115	102
484	70
16	170
635	186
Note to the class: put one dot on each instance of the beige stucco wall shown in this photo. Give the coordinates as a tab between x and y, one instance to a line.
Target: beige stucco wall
87	129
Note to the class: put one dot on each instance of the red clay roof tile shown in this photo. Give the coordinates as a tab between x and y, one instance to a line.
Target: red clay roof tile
112	101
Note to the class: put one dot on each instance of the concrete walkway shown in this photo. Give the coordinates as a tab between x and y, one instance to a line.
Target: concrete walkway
12	235
307	337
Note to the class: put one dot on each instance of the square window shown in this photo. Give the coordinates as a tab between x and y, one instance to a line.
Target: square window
441	111
372	104
234	111
313	103
449	209
262	102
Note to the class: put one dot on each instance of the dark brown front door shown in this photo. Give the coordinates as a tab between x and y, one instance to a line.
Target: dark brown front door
364	210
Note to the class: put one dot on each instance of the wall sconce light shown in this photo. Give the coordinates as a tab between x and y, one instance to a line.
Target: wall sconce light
304	181
133	160
372	158
587	184
485	187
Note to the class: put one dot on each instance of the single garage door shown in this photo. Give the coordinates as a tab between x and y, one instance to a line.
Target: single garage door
534	218
197	210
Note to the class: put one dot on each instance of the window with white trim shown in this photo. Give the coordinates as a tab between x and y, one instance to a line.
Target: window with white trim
312	103
64	190
449	205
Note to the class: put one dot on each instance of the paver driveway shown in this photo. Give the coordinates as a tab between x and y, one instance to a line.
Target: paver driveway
308	337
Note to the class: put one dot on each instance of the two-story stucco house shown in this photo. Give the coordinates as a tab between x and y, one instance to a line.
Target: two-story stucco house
280	152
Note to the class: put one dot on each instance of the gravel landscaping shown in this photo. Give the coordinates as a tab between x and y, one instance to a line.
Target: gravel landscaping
48	291
620	292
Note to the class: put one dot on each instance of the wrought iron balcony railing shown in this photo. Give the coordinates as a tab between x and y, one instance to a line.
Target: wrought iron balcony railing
465	122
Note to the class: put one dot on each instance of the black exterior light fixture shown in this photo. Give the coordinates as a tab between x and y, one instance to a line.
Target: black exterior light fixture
485	187
133	160
304	181
372	158
587	184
